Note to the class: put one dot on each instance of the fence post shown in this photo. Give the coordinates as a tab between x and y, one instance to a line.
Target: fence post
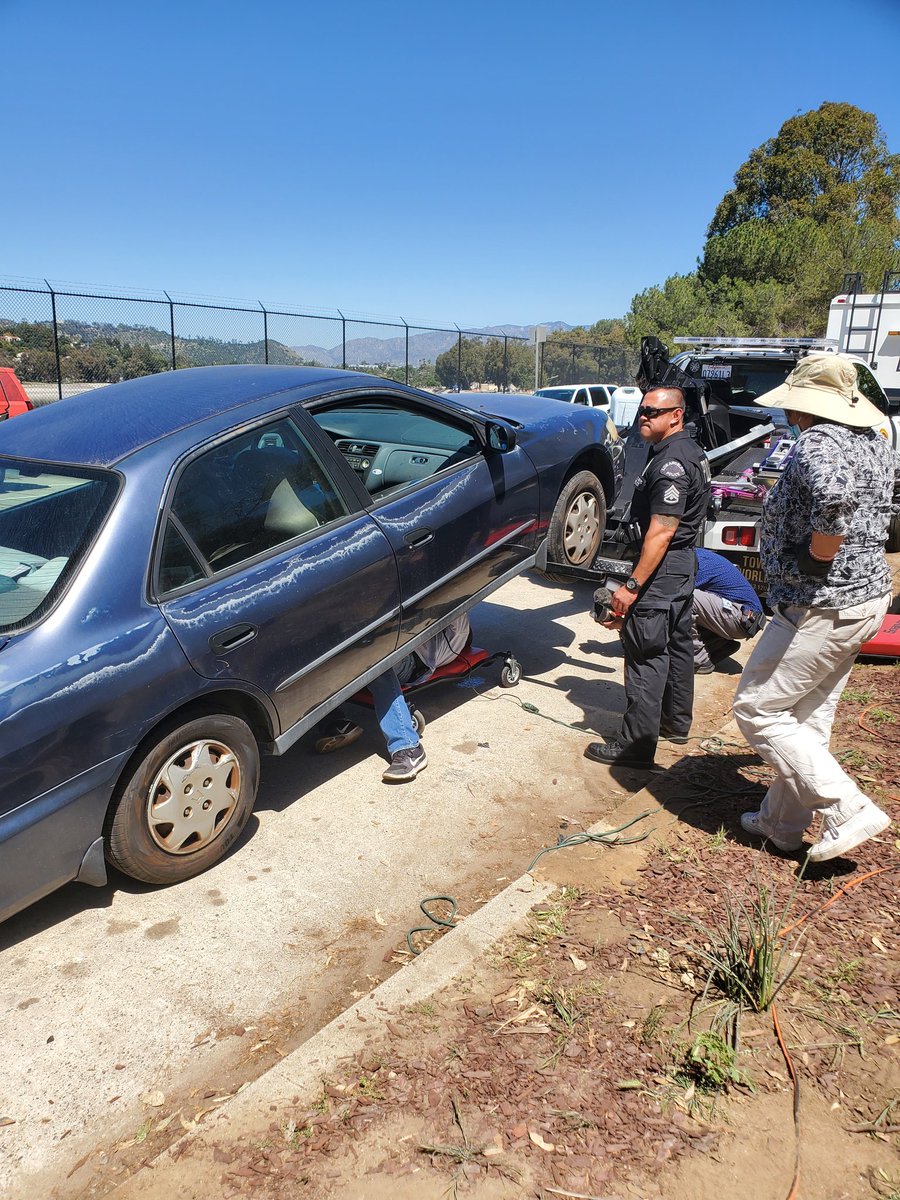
343	339
459	359
171	325
265	330
55	340
406	327
541	367
505	363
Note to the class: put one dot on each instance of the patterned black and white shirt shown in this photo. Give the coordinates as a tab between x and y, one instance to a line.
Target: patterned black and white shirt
844	483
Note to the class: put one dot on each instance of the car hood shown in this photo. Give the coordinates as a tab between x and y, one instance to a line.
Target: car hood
523	409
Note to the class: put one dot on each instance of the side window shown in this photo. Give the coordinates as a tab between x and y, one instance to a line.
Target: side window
869	387
251	494
599	397
582	397
391	444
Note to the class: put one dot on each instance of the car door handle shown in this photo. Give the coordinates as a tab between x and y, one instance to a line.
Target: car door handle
231	638
418	537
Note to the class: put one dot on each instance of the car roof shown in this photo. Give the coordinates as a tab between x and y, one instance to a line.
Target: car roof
101	427
571	387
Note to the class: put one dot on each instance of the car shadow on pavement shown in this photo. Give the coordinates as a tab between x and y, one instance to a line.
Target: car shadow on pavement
535	635
64	904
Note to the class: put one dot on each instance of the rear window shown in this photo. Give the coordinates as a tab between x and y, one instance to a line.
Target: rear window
738	384
49	515
556	393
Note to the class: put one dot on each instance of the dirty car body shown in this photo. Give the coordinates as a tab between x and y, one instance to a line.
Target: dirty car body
196	567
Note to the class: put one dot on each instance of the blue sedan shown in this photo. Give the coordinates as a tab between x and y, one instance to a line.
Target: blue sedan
196	567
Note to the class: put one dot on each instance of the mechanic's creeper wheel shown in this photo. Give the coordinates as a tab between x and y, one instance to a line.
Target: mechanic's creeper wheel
510	673
186	802
418	720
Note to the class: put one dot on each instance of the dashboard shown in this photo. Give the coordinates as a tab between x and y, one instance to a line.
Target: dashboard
388	447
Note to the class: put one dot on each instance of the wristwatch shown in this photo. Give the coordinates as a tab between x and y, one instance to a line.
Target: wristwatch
632	584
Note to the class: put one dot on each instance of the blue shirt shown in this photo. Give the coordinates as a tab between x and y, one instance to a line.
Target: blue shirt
717	574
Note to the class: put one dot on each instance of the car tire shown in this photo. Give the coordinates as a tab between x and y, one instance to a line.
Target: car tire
213	761
578	522
893	537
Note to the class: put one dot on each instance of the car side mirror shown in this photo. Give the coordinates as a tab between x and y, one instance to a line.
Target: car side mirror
501	438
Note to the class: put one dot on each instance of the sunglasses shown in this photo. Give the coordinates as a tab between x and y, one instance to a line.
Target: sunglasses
650	413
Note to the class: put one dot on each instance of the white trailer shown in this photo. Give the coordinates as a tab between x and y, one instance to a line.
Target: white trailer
867	325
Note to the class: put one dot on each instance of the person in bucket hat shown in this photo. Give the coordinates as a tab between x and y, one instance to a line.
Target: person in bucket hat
824	527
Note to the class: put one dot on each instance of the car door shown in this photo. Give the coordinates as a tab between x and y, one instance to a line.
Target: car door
460	515
270	574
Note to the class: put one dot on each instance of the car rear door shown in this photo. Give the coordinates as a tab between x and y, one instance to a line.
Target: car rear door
461	517
269	573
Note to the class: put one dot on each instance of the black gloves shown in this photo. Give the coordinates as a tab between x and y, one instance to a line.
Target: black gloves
813	566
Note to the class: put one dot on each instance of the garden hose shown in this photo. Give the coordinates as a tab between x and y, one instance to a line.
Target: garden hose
436	922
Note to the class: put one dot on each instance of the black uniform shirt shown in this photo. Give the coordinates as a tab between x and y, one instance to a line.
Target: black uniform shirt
674	483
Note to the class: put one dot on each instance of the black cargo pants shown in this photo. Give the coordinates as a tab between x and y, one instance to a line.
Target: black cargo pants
659	658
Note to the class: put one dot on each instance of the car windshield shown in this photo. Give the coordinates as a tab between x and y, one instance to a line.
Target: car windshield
561	393
48	517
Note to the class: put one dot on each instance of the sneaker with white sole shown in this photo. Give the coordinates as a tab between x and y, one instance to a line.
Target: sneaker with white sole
335	734
753	822
406	764
841	839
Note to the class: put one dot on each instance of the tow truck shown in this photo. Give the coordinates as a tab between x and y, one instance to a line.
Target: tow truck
747	446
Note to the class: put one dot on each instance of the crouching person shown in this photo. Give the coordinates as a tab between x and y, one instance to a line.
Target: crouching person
725	610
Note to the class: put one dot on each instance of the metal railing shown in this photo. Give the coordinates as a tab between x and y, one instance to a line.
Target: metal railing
73	339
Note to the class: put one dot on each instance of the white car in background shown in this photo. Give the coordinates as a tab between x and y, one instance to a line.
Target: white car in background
591	395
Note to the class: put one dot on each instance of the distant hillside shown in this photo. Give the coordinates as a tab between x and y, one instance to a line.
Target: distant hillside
101	352
423	347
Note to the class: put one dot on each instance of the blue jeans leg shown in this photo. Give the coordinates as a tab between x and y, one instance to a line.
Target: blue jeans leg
393	713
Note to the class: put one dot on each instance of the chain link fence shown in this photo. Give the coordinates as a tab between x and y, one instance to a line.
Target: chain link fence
61	341
577	362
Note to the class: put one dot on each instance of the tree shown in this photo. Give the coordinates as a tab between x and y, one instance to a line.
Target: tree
829	163
469	354
812	203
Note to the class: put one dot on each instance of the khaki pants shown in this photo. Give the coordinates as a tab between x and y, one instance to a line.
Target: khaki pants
785	705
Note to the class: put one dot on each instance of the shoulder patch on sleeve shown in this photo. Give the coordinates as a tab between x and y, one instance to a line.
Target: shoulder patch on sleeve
671	495
672	469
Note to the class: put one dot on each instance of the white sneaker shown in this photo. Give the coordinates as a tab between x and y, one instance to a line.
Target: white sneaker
755	824
840	839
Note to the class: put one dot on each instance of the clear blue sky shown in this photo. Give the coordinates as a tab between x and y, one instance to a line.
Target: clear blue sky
481	163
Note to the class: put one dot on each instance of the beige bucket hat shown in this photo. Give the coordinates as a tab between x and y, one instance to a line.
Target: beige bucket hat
824	385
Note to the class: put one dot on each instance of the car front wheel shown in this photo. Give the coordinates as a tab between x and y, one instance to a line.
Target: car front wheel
578	522
186	802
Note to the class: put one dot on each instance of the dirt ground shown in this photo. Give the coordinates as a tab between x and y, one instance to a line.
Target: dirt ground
582	1058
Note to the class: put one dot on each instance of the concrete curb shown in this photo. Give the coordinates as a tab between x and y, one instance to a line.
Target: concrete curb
302	1070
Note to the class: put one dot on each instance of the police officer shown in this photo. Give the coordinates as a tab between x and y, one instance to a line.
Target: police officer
653	607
